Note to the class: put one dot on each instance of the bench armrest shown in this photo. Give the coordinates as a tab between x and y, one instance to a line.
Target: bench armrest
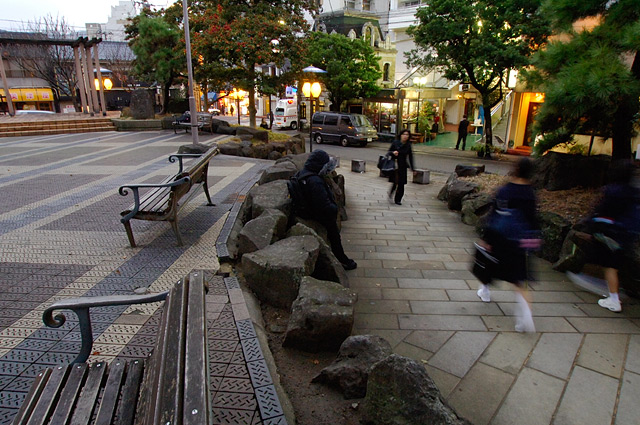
136	193
81	306
180	156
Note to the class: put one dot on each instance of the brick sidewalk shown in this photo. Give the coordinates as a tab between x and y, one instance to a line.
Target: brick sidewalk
60	236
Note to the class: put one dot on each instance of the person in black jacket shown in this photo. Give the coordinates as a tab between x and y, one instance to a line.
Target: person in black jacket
512	230
322	205
462	132
400	150
614	223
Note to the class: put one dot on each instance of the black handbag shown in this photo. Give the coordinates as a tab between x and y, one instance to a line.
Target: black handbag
386	163
485	265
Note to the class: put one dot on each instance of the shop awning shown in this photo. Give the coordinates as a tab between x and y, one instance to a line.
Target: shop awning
36	94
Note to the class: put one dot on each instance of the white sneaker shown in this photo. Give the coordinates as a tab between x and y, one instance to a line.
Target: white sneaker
610	304
484	294
525	326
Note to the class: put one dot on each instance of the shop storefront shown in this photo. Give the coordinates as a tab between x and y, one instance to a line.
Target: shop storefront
395	109
33	98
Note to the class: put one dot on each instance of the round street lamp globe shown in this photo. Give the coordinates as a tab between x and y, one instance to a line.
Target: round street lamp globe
316	89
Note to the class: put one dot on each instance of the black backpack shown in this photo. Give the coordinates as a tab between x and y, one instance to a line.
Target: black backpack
298	192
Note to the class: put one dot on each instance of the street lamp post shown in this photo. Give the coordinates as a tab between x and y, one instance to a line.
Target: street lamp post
192	99
311	89
238	95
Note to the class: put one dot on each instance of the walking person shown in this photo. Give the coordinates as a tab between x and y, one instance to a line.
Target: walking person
614	224
401	151
462	132
513	229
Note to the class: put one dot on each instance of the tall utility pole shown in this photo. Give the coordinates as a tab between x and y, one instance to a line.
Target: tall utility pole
192	99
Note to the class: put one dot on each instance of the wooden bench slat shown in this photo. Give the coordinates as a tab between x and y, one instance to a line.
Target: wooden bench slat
49	396
130	392
31	400
196	397
109	401
89	396
69	394
171	368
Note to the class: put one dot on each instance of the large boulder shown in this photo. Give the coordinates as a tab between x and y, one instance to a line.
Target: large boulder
400	392
216	123
457	190
475	208
443	195
230	148
223	129
274	273
321	317
255	133
350	371
142	104
327	266
561	171
571	257
298	160
272	195
468	170
262	231
281	171
554	231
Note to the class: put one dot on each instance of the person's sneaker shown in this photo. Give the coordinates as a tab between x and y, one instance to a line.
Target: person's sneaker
398	203
484	294
610	304
350	265
525	326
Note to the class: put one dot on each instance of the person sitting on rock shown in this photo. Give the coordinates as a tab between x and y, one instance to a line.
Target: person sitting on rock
321	202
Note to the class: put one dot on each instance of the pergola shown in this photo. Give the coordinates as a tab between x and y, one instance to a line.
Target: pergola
82	47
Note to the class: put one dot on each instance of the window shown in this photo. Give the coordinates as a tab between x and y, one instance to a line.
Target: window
366	4
385	72
331	120
410	3
317	118
345	122
349	4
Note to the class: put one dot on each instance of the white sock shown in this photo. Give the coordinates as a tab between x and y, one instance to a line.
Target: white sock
483	287
614	296
524	311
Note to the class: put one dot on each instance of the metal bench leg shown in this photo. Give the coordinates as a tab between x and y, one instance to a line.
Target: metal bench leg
127	227
174	226
206	192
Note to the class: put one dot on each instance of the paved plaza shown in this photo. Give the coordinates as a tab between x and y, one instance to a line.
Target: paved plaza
415	289
60	236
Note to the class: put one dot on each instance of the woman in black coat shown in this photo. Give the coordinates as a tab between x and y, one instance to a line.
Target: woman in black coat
401	151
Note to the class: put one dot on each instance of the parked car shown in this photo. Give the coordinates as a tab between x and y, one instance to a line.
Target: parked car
332	127
214	111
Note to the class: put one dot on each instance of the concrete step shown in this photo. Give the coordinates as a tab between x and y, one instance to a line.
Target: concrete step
41	128
50	131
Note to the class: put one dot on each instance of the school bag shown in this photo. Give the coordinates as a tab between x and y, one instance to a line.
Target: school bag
298	192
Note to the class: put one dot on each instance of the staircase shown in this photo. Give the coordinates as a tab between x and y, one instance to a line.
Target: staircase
16	127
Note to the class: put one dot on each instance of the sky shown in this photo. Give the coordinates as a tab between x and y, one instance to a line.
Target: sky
16	13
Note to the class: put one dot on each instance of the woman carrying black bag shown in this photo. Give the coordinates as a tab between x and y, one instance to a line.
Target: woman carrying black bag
400	150
512	229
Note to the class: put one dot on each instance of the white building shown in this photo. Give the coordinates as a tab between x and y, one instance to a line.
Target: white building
113	30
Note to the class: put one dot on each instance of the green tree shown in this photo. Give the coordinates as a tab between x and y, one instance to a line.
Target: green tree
351	65
591	77
233	37
478	42
155	39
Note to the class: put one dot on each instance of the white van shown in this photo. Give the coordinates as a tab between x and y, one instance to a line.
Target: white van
286	113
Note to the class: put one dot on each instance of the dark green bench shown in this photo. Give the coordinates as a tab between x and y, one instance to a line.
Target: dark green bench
163	201
171	386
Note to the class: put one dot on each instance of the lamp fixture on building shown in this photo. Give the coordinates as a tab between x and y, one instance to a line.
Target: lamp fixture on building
106	82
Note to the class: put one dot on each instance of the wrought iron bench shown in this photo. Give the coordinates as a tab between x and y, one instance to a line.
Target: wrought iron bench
205	122
164	201
171	386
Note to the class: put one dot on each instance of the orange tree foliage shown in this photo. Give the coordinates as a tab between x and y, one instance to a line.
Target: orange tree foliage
233	37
